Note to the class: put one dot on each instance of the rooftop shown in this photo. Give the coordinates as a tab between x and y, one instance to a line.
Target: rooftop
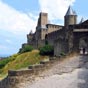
70	11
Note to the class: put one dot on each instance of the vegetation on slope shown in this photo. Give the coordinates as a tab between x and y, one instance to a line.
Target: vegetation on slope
46	50
5	61
20	61
26	48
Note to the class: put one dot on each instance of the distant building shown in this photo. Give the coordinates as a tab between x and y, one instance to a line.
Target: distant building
71	37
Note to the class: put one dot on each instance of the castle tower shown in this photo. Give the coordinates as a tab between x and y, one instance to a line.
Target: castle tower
70	18
41	28
42	21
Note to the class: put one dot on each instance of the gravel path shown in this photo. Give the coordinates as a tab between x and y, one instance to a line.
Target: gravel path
71	73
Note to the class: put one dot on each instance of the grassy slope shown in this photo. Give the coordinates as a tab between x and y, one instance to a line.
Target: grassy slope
22	61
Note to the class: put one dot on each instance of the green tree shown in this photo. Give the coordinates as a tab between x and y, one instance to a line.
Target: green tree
26	48
47	50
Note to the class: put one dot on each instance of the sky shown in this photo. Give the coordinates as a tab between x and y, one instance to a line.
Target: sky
19	17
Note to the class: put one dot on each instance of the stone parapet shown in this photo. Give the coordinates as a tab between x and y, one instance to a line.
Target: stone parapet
20	72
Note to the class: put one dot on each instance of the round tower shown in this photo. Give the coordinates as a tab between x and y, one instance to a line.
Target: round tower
70	18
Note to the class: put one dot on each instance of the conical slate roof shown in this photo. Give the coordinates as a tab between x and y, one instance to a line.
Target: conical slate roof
82	20
70	11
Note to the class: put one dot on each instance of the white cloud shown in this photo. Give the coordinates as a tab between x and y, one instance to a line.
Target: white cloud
15	21
8	41
55	8
14	26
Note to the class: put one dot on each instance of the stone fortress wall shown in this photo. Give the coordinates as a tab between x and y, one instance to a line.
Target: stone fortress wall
51	32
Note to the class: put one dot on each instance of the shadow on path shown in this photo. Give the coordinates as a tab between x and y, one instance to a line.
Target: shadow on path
83	73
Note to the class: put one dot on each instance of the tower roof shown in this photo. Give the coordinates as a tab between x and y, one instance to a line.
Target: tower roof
70	11
82	20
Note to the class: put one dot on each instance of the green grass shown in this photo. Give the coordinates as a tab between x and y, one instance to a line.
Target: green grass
3	62
20	61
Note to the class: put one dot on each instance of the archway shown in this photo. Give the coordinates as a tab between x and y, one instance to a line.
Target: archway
83	46
46	40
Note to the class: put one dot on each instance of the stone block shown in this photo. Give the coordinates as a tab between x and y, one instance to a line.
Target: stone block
45	63
36	67
19	72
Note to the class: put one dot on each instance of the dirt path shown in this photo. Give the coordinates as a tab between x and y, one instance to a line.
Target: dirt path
71	73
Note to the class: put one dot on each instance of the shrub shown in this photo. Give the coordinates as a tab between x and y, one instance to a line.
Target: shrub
3	62
47	50
26	48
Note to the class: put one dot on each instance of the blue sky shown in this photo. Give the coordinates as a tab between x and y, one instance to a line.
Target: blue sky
19	17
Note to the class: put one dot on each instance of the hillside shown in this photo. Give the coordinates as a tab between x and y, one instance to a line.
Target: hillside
21	61
72	72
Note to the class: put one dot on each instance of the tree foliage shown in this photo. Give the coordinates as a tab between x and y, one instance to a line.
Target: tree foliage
4	61
26	48
47	50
